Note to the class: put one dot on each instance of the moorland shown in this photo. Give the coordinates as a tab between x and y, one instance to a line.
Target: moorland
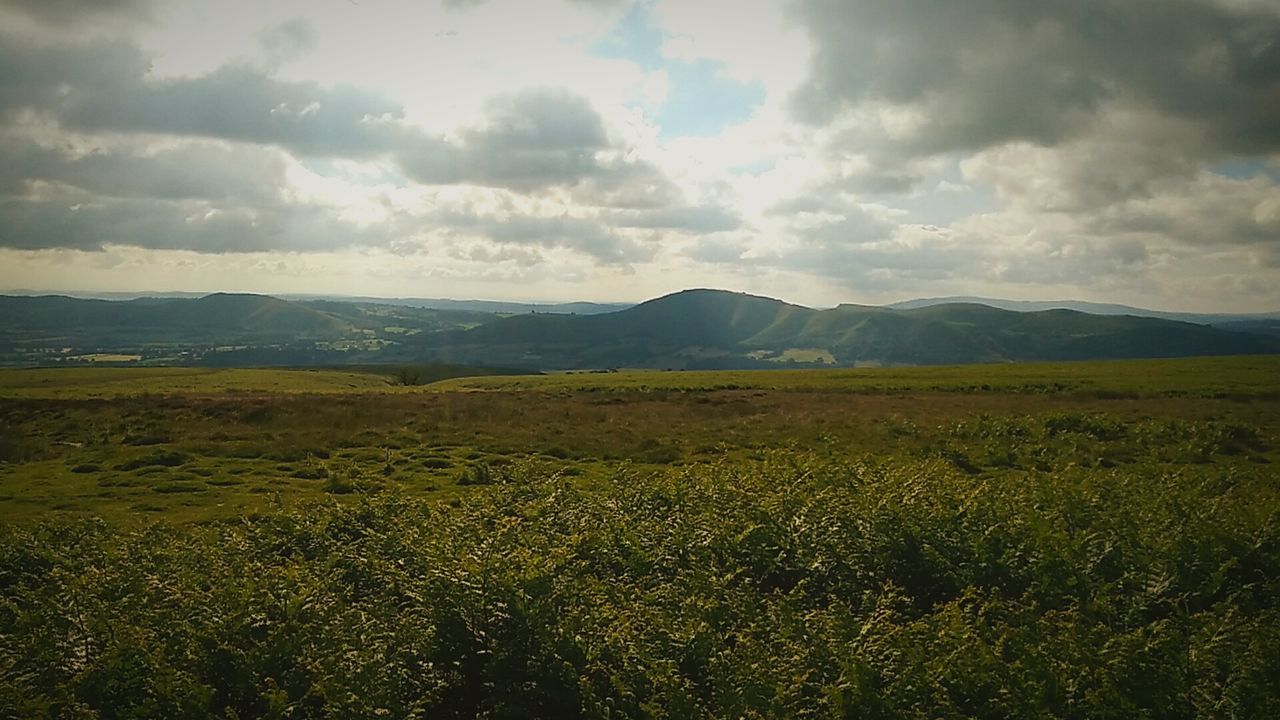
1021	540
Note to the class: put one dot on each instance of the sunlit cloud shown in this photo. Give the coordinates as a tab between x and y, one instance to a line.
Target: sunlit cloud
821	151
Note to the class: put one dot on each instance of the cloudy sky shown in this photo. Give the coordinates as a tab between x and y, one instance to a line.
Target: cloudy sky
821	151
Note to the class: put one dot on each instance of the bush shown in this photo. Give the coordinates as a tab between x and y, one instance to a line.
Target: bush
311	472
794	587
160	459
407	376
477	474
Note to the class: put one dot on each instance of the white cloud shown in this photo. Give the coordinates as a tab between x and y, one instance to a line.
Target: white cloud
1103	150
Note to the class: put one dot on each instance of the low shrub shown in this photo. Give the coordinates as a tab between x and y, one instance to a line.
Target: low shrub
793	587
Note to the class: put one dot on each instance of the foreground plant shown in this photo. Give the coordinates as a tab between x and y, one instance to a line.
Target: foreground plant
791	587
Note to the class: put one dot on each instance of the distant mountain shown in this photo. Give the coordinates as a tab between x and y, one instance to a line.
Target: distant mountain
239	328
713	328
1092	308
492	307
690	329
1265	325
220	314
486	307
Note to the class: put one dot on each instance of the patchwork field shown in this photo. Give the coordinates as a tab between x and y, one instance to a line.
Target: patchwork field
1060	540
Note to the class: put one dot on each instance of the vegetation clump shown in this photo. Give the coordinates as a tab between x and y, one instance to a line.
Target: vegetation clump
795	586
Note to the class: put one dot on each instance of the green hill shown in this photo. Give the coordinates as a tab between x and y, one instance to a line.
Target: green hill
693	329
718	329
221	316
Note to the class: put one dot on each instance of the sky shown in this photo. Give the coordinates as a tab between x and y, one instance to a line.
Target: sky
818	151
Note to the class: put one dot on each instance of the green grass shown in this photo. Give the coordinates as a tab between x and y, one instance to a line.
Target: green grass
1247	376
1065	540
220	455
66	383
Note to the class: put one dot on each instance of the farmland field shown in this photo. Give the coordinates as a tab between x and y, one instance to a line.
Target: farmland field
1053	540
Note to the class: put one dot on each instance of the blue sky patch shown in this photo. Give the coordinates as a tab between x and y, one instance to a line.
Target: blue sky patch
756	167
1245	168
636	37
701	99
944	206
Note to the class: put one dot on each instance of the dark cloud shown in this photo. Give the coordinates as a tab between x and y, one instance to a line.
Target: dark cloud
467	4
1112	166
643	186
491	255
1204	212
61	13
288	40
83	222
209	171
218	183
841	240
239	102
107	86
852	228
701	219
978	74
1100	125
532	139
921	259
1072	260
880	268
585	235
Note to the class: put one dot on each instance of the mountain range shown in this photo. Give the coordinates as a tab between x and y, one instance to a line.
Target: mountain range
714	328
691	329
1223	320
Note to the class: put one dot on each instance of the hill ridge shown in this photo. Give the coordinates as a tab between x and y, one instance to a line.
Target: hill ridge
703	327
692	328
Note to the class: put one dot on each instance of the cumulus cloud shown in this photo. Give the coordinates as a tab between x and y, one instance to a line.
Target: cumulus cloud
585	235
465	4
1099	126
96	150
82	222
533	139
966	76
288	40
925	147
689	218
204	170
106	86
63	13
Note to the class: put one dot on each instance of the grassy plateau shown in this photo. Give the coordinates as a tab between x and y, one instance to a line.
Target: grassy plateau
1075	540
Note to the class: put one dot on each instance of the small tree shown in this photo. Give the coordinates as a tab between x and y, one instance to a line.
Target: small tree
408	375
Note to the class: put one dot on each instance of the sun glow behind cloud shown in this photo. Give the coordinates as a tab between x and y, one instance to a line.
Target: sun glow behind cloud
816	150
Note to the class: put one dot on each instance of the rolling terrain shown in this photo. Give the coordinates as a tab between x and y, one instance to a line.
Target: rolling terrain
1250	322
694	329
1005	540
220	329
716	329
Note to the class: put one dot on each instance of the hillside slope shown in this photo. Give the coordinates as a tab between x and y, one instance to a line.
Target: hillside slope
709	329
718	329
1221	320
221	315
